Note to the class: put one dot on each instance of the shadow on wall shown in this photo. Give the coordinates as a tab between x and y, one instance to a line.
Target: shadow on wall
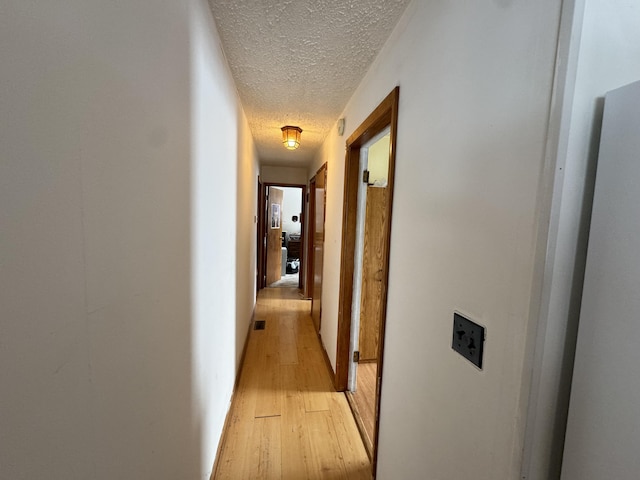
122	146
141	242
117	302
246	231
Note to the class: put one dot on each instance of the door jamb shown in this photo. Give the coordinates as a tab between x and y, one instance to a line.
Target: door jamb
262	188
312	207
260	237
308	288
384	115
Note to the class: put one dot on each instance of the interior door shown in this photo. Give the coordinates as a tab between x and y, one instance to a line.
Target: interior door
261	238
274	235
373	258
603	429
308	246
318	194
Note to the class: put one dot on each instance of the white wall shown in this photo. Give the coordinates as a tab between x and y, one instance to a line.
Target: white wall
223	255
378	161
246	231
333	218
291	205
290	175
604	55
475	87
116	154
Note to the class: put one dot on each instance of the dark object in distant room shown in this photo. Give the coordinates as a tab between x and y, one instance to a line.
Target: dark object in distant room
293	265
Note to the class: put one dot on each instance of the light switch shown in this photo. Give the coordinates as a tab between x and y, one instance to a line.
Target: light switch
468	339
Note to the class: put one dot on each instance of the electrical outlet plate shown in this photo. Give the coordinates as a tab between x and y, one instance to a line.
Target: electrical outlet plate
468	339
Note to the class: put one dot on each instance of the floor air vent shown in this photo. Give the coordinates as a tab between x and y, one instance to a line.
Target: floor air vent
259	325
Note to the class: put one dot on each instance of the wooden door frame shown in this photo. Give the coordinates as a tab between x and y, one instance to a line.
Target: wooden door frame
260	230
311	208
385	115
312	233
262	194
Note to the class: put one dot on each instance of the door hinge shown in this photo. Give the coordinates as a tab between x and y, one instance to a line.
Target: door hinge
365	177
356	356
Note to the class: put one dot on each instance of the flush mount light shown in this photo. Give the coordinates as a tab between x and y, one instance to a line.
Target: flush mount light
291	137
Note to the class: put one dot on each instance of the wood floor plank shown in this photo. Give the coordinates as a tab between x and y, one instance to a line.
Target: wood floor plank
364	398
287	421
324	445
263	459
353	451
235	442
314	393
269	403
295	438
287	341
242	412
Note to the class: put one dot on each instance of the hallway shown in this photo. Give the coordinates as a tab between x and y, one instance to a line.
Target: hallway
286	420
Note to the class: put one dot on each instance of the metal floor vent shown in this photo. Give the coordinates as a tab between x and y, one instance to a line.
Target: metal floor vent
259	324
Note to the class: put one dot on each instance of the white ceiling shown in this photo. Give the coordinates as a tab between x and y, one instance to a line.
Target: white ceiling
297	62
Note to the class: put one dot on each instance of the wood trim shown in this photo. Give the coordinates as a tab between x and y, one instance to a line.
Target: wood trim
303	239
260	270
302	279
283	184
274	236
310	201
347	252
227	418
377	121
392	170
326	356
323	170
221	443
244	348
311	233
385	114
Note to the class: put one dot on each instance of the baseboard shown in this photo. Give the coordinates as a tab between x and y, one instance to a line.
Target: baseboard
326	360
244	348
227	418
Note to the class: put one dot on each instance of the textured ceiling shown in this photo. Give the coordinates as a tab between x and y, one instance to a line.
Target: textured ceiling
297	62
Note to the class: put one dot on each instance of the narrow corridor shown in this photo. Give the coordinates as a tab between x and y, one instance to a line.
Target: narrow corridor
286	419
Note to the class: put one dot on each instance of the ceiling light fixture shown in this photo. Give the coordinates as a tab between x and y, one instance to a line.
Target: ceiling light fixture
291	137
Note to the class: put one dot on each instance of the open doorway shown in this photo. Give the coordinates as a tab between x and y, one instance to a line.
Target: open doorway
364	271
285	214
280	247
366	315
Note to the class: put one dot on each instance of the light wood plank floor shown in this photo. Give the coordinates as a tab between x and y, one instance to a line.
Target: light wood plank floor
286	420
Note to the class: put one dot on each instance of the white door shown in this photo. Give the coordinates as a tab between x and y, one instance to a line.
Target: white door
603	431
